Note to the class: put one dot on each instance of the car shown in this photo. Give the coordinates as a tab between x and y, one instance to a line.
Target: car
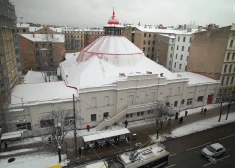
213	150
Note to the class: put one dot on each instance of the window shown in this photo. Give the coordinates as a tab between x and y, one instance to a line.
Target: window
189	101
144	42
184	39
138	114
144	34
190	40
106	115
231	43
181	57
148	48
182	48
148	56
175	103
225	68
175	65
169	62
222	81
149	34
177	47
171	55
176	56
228	55
168	104
180	66
152	48
230	67
232	80
171	48
47	123
23	126
185	67
148	42
227	80
68	121
182	101
143	48
188	49
178	38
127	116
93	117
149	111
200	98
187	58
153	42
24	30
233	56
142	113
131	115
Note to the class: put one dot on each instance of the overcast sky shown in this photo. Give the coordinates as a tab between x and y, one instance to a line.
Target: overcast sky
95	13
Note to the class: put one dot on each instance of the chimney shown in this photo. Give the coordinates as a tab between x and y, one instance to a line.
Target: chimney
184	26
199	28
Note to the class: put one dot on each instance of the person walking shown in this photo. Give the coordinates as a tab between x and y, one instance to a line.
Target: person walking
157	133
88	127
126	123
205	110
128	139
176	118
186	113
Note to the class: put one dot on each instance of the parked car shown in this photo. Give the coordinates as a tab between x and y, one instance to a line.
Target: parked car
213	150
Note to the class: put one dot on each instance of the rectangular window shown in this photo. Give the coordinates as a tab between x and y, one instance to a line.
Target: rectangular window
47	123
227	80
180	66
143	48
138	114
232	80
175	103
153	42
176	56
148	42
225	68
144	34
149	34
106	115
148	48
68	121
188	49
23	126
149	111
184	39
171	48
175	65
228	55
142	113
144	42
189	101
172	40
127	116
222	81
233	56
171	55
152	48
169	62
190	40
131	115
200	98
178	38
231	43
24	30
93	117
182	48
177	47
168	104
181	57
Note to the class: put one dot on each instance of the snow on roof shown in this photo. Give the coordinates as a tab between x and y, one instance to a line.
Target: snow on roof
197	78
41	92
69	55
34	29
104	59
45	37
22	25
166	35
56	29
114	25
12	135
37	77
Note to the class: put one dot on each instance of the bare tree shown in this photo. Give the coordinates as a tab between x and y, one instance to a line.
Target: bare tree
162	111
56	125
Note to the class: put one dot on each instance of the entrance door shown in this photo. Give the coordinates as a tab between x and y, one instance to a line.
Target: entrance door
209	99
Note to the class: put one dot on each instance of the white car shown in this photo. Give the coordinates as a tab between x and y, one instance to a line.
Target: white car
213	150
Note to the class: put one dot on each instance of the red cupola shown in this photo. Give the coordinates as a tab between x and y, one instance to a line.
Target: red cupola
113	20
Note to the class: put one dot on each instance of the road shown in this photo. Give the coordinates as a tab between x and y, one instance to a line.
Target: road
185	151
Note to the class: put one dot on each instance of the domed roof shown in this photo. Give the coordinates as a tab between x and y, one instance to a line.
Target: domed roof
113	20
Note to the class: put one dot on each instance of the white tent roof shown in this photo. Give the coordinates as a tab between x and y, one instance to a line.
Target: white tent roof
45	37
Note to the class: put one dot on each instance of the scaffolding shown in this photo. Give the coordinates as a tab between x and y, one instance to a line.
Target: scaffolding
10	67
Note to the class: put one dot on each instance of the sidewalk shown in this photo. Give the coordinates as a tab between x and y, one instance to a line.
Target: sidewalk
143	132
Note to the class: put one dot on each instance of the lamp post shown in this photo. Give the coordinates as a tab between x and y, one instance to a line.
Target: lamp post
221	110
229	105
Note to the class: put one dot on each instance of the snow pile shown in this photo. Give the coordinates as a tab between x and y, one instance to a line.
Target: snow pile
17	151
45	37
202	125
34	160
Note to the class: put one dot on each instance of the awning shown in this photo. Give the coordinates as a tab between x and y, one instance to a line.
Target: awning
107	134
12	135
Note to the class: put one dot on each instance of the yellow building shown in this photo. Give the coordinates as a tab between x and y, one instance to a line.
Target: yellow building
10	67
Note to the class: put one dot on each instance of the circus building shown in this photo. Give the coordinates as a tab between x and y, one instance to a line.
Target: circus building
112	81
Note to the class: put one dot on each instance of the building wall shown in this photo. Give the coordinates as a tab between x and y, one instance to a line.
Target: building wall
74	40
207	52
181	52
91	35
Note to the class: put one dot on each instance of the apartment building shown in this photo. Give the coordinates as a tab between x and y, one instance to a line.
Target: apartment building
91	35
212	53
10	66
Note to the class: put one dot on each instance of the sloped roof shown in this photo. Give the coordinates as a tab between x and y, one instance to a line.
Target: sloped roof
45	37
34	29
22	25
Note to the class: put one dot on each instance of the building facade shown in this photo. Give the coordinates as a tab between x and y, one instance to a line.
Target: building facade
90	35
212	54
10	65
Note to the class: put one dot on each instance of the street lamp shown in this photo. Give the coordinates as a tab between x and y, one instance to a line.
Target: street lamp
229	105
221	110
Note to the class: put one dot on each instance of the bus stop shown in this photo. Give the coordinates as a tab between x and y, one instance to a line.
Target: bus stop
102	138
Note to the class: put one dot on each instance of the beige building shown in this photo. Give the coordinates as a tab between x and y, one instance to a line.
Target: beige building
212	53
10	66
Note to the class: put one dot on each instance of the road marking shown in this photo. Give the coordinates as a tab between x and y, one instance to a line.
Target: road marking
216	160
198	146
170	166
173	155
226	137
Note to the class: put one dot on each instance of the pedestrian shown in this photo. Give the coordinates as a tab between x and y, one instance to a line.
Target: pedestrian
161	124
80	151
202	110
186	113
177	113
176	118
5	144
205	110
157	124
88	127
128	139
181	120
157	133
126	123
